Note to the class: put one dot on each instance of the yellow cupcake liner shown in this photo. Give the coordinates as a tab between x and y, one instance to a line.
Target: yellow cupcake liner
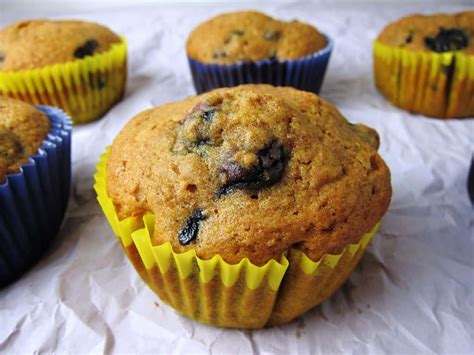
435	84
84	88
215	292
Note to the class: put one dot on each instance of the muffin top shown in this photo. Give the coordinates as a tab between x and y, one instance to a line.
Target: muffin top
252	36
22	131
249	172
432	33
37	43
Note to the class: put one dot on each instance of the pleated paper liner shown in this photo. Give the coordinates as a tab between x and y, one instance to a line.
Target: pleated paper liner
305	74
84	88
308	283
33	201
434	84
217	293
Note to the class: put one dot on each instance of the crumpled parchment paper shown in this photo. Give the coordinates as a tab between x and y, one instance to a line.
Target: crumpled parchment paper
413	291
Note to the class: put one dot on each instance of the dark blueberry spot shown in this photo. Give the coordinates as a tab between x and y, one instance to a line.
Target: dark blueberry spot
204	142
88	48
451	39
219	54
234	173
409	38
205	118
209	114
233	34
201	118
268	170
190	229
272	36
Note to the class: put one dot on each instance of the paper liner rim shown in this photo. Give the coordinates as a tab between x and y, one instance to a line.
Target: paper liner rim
319	53
114	47
441	56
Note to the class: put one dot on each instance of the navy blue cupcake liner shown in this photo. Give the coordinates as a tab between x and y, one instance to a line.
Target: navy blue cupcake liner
33	201
305	73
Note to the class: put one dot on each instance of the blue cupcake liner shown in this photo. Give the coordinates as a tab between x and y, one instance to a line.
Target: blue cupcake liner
305	73
33	201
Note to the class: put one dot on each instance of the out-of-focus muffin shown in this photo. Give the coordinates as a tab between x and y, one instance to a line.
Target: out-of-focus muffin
76	65
424	64
250	47
35	172
22	131
252	36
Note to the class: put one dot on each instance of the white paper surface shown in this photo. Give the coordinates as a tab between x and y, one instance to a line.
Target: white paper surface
413	291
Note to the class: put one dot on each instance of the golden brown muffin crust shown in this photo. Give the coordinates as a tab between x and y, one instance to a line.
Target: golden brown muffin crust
22	131
257	169
33	44
430	33
252	36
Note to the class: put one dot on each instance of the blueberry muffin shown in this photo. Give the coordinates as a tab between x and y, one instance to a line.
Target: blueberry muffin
258	48
252	36
423	64
77	65
35	165
247	173
34	44
22	131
